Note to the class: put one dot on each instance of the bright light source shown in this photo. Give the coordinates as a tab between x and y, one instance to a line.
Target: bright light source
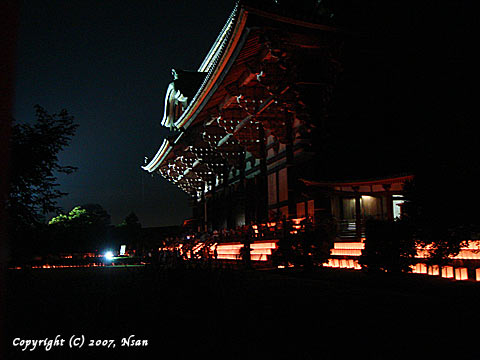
123	248
108	255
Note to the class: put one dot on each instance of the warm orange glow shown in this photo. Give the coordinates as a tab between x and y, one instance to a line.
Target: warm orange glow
259	257
334	262
297	221
347	249
468	255
447	272
345	252
264	245
421	268
259	251
343	263
461	273
472	245
347	263
349	245
477	273
434	270
228	256
197	248
469	251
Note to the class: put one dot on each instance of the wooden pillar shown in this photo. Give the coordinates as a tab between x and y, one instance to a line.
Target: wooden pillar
196	214
388	201
262	206
291	177
226	204
242	198
213	203
358	213
205	216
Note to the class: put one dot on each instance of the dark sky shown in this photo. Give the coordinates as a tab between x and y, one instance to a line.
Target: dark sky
109	64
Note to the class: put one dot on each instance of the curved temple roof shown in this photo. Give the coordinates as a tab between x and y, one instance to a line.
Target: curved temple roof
235	44
208	65
159	156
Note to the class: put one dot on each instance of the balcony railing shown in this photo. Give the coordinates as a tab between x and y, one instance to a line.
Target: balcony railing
347	229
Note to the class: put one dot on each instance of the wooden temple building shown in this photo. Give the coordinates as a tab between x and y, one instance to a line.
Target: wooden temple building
246	126
248	137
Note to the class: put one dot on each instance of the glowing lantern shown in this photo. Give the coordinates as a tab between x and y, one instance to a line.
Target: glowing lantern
421	268
297	221
329	263
433	270
461	274
477	272
349	245
447	272
346	252
347	248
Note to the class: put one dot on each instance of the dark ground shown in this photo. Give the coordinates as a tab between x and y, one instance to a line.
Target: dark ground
228	314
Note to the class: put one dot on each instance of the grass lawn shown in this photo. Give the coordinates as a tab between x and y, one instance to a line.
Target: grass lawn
233	314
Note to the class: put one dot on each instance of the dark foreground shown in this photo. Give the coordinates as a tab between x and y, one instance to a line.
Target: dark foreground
228	314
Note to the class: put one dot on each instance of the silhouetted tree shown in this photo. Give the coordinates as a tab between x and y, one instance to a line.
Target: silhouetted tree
84	228
442	203
131	221
33	185
309	246
321	238
128	232
389	246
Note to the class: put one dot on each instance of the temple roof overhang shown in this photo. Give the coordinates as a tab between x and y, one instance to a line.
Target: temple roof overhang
249	86
394	183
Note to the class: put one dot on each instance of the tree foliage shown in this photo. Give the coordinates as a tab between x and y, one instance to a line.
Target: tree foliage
128	232
33	188
83	215
35	149
84	228
389	246
441	205
308	247
131	221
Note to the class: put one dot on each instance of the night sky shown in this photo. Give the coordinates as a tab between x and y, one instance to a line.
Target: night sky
109	64
409	88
